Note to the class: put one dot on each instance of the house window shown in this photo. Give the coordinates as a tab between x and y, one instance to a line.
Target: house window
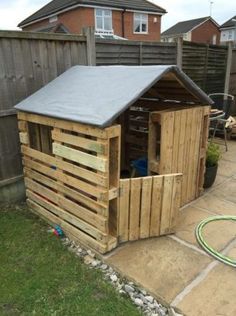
103	20
140	23
230	36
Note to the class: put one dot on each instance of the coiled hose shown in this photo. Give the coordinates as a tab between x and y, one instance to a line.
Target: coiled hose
208	248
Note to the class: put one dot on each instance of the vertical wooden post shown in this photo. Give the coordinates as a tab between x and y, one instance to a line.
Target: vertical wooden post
141	53
91	47
179	60
206	69
228	67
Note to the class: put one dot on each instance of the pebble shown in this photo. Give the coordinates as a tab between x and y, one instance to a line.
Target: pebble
94	264
90	253
129	288
144	302
138	302
114	278
88	260
149	298
103	267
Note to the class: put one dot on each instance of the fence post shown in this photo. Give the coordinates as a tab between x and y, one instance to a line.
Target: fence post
141	53
91	46
228	67
179	60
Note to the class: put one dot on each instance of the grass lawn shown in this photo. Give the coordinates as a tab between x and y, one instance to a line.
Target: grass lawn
39	276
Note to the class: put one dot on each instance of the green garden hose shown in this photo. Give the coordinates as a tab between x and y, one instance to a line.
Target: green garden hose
209	249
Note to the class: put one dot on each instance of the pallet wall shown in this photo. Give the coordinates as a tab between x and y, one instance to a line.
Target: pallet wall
148	207
72	179
183	144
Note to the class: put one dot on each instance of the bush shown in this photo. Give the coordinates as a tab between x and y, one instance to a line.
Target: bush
213	155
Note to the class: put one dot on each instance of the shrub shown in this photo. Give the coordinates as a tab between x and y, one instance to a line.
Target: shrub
213	155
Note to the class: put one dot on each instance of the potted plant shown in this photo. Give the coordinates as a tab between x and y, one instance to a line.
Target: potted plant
212	158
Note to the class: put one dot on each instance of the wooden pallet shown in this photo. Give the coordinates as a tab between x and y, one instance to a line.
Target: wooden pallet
72	177
183	138
148	207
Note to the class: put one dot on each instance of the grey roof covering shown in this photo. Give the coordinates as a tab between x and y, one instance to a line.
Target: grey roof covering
58	5
229	23
98	95
184	27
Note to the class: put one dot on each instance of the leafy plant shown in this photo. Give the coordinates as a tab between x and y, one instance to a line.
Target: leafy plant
213	155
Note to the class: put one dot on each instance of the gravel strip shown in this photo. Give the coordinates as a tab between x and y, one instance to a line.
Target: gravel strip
146	303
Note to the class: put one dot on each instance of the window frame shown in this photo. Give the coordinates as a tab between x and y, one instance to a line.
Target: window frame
141	15
103	30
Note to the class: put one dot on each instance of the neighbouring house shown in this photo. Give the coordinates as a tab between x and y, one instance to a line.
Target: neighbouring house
133	19
202	30
228	32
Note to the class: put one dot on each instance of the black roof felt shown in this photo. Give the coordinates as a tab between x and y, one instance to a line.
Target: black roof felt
57	5
184	26
98	95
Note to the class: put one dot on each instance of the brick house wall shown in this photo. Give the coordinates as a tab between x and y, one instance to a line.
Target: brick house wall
205	32
74	20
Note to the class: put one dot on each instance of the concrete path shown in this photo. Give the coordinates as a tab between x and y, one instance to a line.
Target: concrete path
175	269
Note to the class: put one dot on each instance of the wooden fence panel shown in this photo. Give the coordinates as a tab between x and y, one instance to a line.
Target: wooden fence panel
120	52
28	61
205	65
148	207
232	88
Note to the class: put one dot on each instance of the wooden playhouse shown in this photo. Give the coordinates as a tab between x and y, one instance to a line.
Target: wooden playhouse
81	135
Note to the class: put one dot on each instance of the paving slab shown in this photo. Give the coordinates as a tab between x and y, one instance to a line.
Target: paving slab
161	265
216	205
226	191
217	234
213	296
226	168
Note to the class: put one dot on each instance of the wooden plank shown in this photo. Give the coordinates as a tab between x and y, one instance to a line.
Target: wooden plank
78	141
67	125
156	206
80	157
194	152
22	126
152	145
94	219
24	139
166	204
124	209
68	167
145	211
135	196
45	136
167	132
65	179
175	203
86	201
85	227
185	165
67	228
176	141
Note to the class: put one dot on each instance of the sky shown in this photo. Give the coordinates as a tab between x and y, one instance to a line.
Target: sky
14	11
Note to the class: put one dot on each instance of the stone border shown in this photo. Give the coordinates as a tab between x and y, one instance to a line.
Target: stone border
145	303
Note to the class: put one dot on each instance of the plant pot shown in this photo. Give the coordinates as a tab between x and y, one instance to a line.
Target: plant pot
210	176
